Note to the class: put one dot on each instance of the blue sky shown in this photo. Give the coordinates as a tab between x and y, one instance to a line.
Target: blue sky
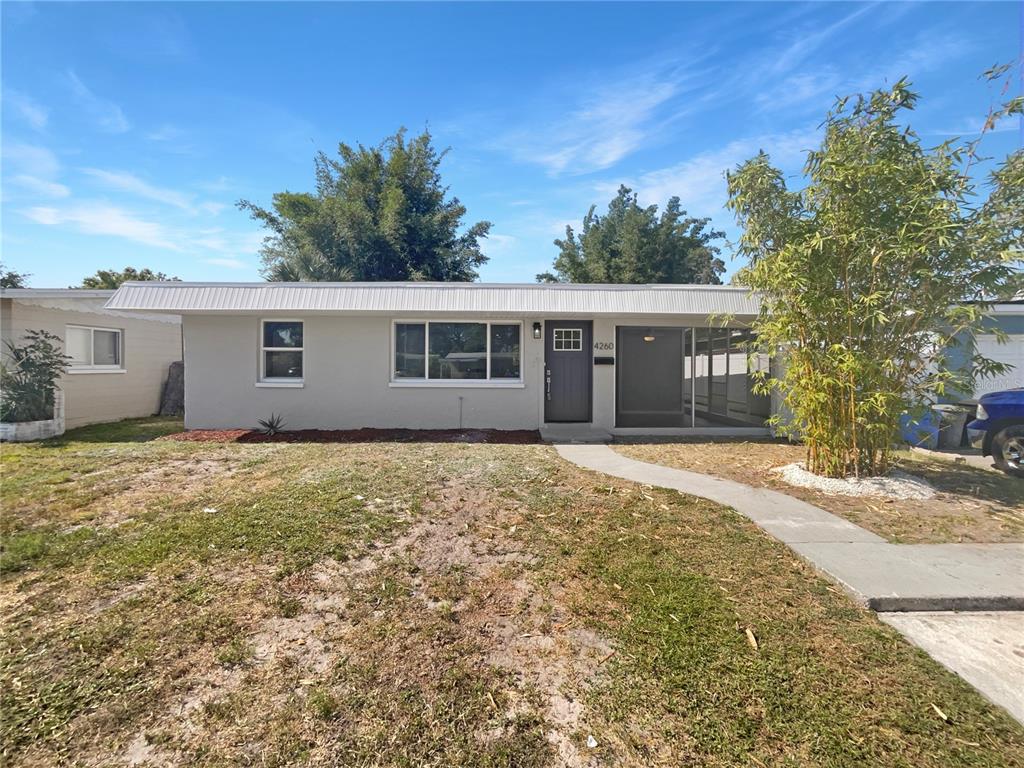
130	129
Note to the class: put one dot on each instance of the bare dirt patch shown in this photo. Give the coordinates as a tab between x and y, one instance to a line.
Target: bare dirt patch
462	566
970	505
516	625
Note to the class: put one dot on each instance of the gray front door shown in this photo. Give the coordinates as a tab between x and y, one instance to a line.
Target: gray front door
568	370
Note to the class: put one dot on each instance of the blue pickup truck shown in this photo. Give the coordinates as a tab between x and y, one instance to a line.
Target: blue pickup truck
998	429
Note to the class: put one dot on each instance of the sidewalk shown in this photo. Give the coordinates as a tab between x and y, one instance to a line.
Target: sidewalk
933	578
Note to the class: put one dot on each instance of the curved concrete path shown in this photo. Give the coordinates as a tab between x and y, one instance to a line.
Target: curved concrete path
883	576
986	649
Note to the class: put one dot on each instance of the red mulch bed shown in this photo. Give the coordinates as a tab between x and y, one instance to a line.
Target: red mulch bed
365	435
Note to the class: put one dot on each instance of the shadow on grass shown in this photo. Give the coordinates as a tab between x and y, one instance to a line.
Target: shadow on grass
126	431
965	480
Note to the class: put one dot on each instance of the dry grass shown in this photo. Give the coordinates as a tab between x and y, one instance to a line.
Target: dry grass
974	505
445	604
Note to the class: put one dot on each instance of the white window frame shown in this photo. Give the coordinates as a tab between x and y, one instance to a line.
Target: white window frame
78	368
575	336
283	382
394	381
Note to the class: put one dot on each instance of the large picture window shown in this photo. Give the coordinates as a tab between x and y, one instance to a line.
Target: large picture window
281	350
452	351
96	349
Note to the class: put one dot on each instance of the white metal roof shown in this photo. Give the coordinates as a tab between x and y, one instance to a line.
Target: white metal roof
90	301
434	298
55	293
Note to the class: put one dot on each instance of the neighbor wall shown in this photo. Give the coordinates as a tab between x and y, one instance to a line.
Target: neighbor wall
150	345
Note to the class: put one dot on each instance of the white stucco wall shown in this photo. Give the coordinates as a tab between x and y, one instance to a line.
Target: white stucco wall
150	345
347	366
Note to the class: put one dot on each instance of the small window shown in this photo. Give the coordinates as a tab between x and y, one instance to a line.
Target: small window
451	351
568	339
282	350
410	351
93	348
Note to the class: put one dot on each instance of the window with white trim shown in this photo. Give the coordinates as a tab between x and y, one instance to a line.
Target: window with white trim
281	350
568	339
93	349
447	351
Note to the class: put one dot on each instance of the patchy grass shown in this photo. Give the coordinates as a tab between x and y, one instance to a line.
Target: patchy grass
973	504
444	604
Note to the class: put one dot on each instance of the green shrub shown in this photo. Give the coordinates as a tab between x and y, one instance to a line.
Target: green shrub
28	377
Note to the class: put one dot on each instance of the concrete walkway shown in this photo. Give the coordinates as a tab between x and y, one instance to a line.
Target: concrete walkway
925	583
883	576
985	649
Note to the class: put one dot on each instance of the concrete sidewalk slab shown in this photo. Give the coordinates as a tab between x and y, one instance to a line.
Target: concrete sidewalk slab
884	576
985	649
925	577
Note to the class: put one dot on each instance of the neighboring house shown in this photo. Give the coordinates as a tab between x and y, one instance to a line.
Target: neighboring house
609	358
119	359
1008	318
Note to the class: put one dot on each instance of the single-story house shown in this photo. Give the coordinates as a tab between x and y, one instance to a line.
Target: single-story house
119	360
615	359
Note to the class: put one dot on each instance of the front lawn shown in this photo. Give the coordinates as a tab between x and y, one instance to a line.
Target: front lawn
973	504
188	603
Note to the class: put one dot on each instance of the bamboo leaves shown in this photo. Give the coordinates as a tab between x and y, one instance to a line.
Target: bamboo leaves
873	273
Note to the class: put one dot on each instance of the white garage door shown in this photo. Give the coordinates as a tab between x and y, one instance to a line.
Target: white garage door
1012	352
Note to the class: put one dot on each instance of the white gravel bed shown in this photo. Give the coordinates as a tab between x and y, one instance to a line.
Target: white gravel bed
895	485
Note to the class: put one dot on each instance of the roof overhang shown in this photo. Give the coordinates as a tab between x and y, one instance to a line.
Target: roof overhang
437	299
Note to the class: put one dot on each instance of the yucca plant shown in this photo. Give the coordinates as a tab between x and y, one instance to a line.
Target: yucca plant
873	272
273	425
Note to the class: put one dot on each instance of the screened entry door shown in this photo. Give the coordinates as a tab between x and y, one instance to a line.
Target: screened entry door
568	370
686	377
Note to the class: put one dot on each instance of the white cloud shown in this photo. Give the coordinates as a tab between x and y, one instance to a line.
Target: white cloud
496	245
699	181
229	263
807	43
212	208
30	111
97	218
165	132
816	88
40	186
609	124
32	159
127	182
107	115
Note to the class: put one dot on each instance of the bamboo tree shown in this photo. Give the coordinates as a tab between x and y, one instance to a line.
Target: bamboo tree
872	272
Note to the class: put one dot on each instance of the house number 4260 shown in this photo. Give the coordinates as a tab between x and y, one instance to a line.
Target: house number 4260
604	345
